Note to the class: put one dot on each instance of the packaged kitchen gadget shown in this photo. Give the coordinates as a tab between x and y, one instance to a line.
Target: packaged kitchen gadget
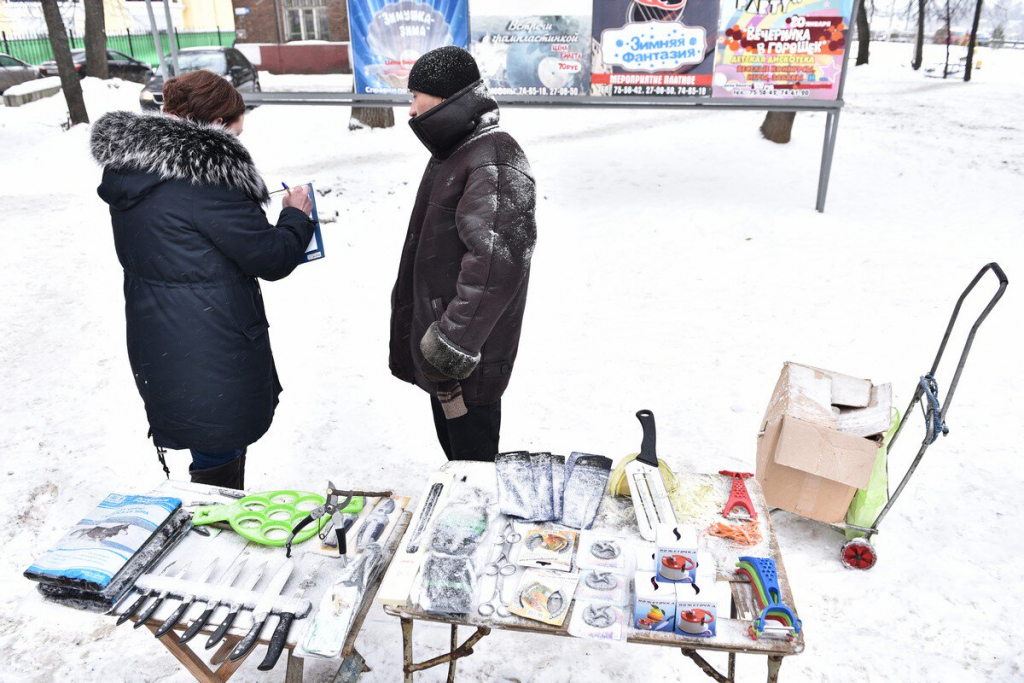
550	548
676	553
597	620
699	605
602	585
604	551
544	596
654	603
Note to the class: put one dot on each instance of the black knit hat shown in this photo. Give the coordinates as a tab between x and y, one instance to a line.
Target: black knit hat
443	71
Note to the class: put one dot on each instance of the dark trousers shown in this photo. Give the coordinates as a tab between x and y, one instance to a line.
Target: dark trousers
474	436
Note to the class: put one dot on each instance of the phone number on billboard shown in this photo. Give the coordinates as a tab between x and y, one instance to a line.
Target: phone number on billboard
692	90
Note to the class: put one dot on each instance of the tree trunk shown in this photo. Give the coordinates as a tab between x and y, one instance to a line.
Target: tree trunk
96	40
863	34
69	82
778	126
949	38
371	117
973	39
919	42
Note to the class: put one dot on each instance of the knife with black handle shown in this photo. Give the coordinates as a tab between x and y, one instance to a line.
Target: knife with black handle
262	610
148	612
280	637
142	598
226	581
233	609
186	602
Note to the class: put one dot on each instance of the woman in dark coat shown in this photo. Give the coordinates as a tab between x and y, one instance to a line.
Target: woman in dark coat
185	202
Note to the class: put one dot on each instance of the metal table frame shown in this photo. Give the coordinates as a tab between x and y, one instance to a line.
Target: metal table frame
830	107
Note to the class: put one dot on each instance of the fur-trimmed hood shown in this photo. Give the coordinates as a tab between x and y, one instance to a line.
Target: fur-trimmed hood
176	149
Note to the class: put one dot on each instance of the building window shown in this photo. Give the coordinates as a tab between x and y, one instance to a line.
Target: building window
306	20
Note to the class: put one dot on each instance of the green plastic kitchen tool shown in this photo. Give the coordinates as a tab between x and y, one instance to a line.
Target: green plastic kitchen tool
268	517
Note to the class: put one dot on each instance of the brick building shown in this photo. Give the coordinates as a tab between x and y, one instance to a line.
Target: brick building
283	21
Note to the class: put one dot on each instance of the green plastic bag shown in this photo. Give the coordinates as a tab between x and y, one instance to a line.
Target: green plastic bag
867	503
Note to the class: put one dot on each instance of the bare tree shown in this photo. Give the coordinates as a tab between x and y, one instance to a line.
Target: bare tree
778	126
863	34
96	40
922	6
366	117
69	82
971	41
371	117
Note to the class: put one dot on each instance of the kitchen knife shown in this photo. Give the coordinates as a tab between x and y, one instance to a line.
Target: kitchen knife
646	485
148	612
233	608
280	637
229	578
186	601
142	598
262	610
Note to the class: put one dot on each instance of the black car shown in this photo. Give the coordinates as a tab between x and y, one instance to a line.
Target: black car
119	65
14	71
226	61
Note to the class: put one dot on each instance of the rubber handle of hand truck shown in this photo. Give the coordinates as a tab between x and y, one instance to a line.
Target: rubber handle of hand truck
277	642
648	453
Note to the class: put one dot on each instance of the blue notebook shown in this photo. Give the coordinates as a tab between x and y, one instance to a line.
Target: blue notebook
315	248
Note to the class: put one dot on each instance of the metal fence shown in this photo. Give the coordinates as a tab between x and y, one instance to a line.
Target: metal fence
35	48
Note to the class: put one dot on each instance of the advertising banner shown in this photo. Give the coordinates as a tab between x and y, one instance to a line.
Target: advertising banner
654	47
388	37
543	49
788	49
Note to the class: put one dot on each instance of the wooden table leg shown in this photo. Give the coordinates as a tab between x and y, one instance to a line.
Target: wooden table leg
226	646
188	659
407	649
774	664
294	672
455	646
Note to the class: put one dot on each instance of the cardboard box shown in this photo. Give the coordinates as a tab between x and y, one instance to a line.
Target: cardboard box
676	553
654	603
804	463
699	606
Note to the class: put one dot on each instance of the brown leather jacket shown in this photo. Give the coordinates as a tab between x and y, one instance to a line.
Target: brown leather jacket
462	280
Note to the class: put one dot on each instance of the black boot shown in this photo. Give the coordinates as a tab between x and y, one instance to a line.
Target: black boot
230	475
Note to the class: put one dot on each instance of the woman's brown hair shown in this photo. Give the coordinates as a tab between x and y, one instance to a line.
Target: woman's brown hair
203	96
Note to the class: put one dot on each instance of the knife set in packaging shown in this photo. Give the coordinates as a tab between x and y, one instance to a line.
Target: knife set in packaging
541	487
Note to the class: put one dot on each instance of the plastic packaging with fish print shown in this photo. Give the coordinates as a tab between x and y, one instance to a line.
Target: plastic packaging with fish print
557	485
543	487
586	477
456	551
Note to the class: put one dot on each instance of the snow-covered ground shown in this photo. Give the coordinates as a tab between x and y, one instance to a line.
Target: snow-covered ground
654	286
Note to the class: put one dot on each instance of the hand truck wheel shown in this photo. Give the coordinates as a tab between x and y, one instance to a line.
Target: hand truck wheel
858	554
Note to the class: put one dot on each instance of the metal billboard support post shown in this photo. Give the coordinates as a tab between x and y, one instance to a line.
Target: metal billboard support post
171	38
156	40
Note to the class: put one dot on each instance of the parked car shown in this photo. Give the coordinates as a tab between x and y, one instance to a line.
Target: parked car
226	61
119	65
14	71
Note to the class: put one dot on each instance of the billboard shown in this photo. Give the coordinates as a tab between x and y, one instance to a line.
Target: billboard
388	36
542	48
787	49
654	47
